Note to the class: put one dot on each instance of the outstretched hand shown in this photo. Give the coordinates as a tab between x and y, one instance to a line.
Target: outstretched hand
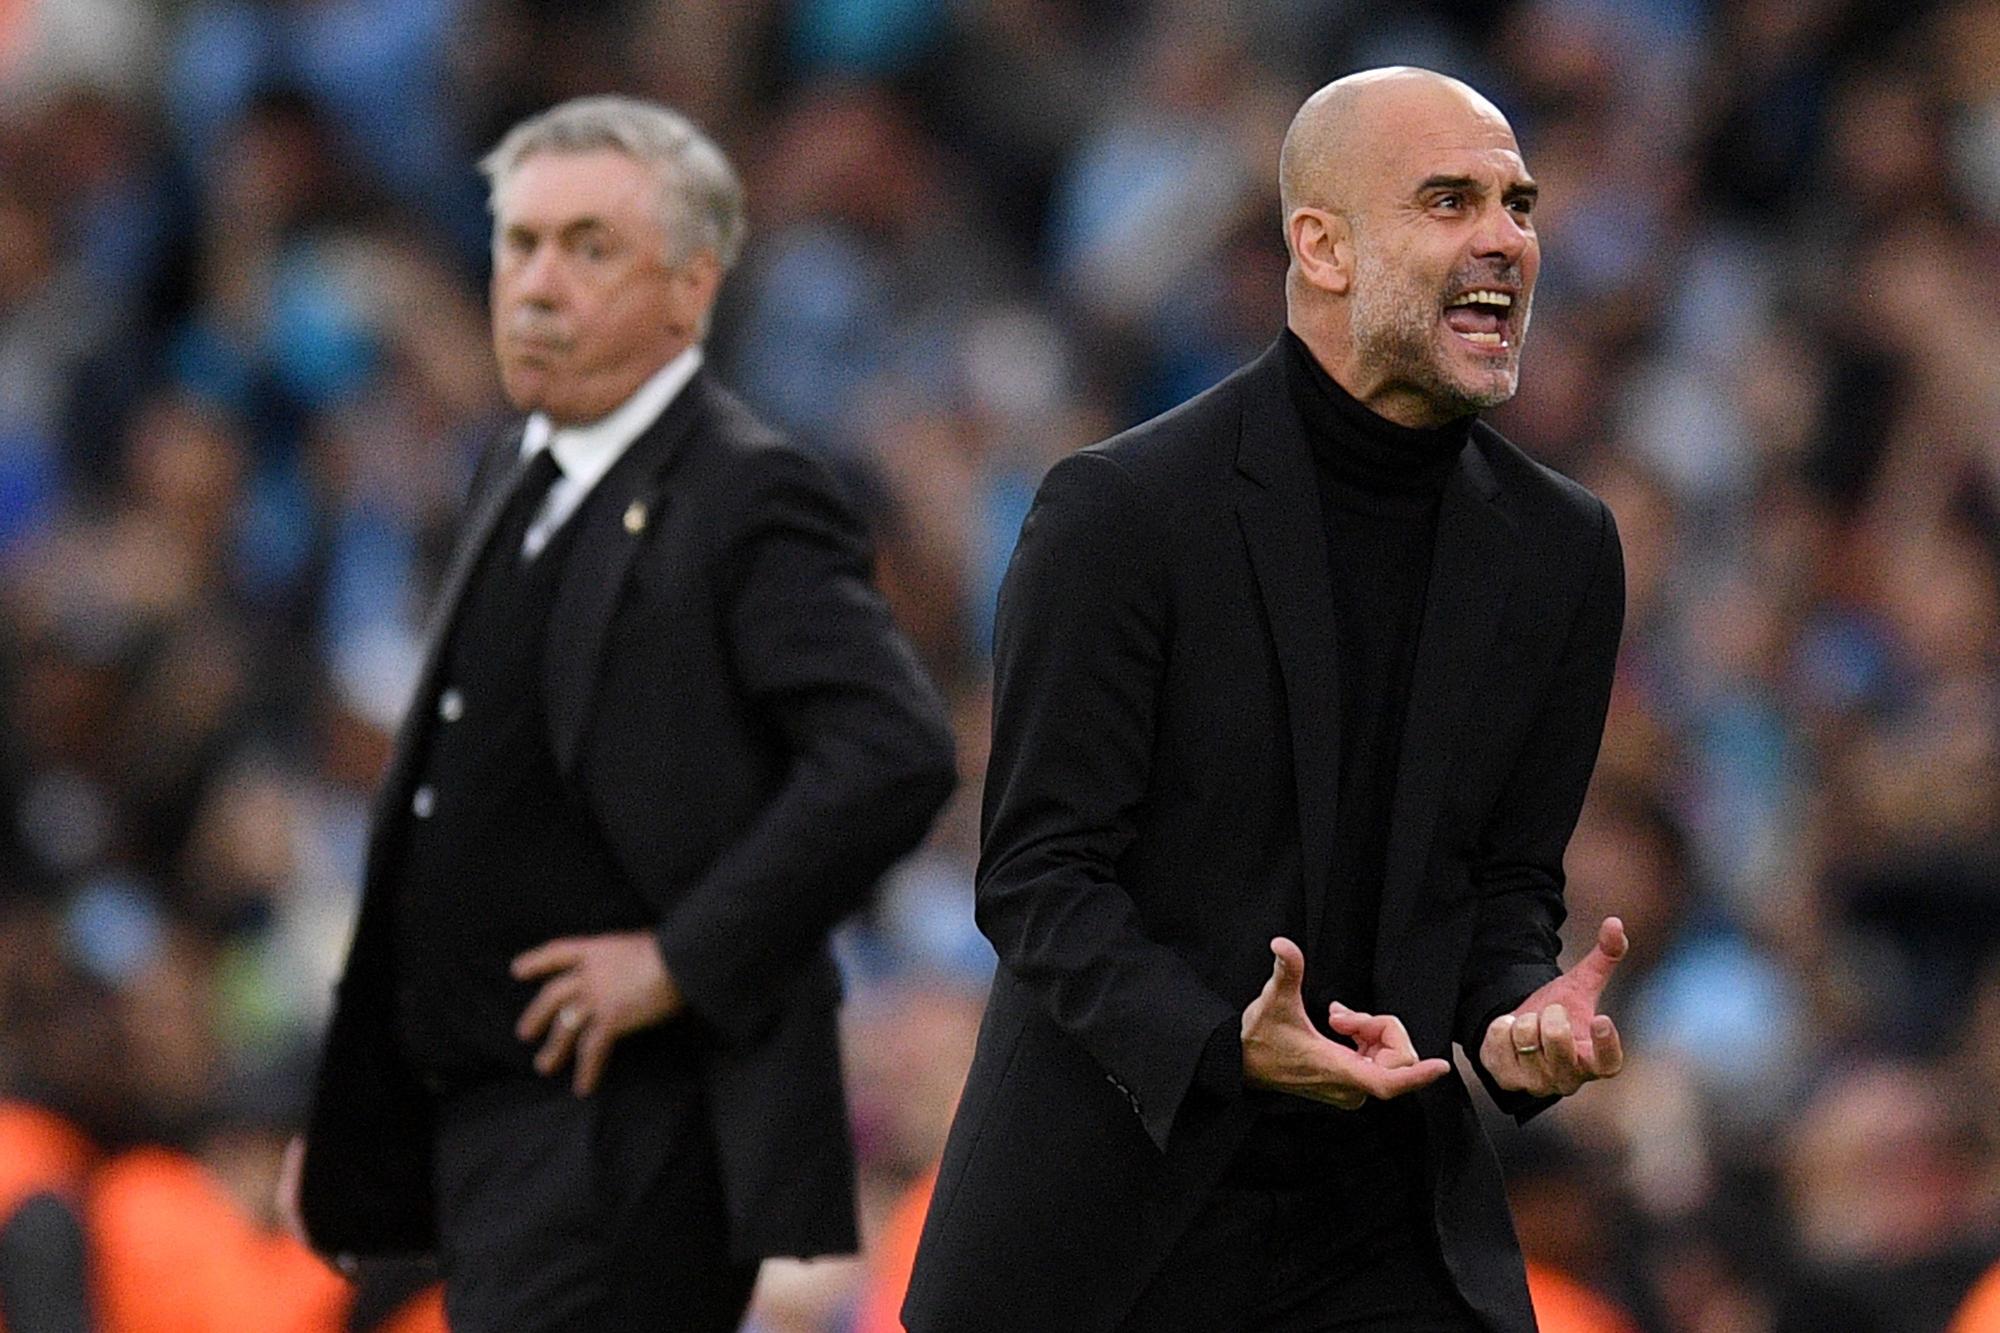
1555	1041
1284	1052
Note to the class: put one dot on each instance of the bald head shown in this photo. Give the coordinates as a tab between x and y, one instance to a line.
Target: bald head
1345	137
1406	213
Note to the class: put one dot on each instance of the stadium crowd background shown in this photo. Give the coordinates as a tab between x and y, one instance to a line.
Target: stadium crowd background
243	372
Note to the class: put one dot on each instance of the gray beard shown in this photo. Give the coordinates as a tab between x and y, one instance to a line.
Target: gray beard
1394	330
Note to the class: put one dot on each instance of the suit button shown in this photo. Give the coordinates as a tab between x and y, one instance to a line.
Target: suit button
451	705
423	801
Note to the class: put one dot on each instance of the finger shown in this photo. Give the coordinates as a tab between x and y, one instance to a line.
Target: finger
1387	1083
1288	965
548	1002
1396	1037
554	956
1559	1051
555	1051
1608	1049
1509	1067
1594	972
1526	1037
1349	1023
1381	1036
1496	1048
1530	1040
1370	1033
593	1051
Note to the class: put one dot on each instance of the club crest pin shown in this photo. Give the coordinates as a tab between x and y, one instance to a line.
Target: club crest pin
635	517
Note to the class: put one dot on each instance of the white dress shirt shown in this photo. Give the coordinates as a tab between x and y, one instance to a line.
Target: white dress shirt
586	453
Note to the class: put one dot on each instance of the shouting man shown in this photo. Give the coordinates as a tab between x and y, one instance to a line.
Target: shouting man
1298	690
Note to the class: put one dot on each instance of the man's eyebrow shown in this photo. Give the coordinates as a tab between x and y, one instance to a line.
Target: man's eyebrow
589	222
1517	190
1430	183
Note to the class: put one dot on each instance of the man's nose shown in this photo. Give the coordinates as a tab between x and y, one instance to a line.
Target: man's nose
1501	234
538	280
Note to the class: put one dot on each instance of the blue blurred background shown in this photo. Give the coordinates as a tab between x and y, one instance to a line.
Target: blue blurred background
244	372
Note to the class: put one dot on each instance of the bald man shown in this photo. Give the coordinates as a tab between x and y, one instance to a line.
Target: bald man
1298	689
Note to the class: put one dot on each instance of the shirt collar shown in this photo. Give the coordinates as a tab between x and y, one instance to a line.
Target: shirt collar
586	453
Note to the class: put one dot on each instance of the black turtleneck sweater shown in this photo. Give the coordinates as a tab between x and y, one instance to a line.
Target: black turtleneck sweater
1379	488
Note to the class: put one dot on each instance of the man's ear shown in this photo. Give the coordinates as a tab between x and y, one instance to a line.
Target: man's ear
1322	248
696	282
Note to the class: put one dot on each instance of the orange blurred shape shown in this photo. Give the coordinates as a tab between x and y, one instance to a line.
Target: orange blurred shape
1981	1311
422	1313
892	1259
40	1152
174	1254
1564	1305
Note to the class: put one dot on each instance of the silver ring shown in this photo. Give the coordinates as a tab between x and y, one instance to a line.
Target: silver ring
1527	1050
569	1018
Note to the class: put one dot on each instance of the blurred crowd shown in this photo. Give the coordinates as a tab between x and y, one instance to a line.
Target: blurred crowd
244	373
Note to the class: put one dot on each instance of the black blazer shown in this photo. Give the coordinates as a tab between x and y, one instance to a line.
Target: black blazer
727	695
1160	803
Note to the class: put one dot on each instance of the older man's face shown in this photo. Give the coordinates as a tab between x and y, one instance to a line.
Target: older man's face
586	304
1445	259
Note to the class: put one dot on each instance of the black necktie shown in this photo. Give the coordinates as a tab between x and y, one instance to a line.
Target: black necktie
530	491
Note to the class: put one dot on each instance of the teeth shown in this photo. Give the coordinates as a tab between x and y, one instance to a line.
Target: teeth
1500	299
1485	339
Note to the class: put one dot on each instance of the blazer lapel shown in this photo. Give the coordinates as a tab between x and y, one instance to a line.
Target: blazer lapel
619	516
493	486
1472	574
1278	508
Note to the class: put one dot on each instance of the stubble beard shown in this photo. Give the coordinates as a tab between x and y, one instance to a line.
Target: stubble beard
1395	325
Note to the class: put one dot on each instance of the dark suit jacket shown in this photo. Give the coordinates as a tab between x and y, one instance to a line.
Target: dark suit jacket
726	694
1160	804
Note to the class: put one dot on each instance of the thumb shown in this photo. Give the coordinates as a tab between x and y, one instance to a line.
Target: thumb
1288	967
1597	966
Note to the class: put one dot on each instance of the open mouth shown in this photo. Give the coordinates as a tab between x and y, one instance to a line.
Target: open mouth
1481	318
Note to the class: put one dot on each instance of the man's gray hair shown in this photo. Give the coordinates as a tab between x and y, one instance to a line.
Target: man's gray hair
701	201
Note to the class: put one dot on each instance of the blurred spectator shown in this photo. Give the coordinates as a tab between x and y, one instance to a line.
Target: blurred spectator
1692	988
242	365
1895	1215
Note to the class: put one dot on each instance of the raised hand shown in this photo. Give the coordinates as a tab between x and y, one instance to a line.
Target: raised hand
599	988
1555	1041
1284	1052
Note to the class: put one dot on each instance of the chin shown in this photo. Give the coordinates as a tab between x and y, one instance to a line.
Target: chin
1496	391
524	389
1484	388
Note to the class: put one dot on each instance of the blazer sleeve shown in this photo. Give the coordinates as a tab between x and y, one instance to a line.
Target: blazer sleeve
1079	653
1518	870
815	652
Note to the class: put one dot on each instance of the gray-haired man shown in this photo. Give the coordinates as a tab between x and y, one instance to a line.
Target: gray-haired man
666	736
